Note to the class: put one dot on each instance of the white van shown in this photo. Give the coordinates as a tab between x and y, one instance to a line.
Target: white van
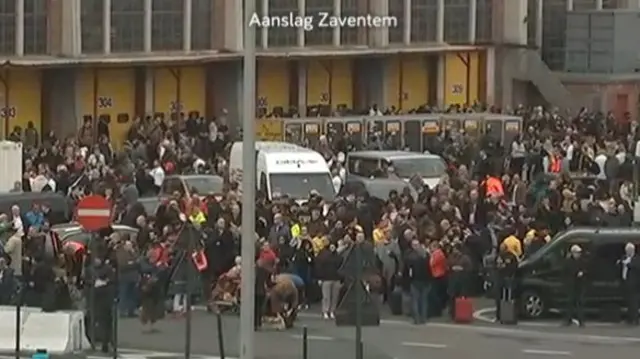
285	169
365	164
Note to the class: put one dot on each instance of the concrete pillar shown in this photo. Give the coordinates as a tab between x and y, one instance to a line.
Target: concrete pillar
473	20
66	39
515	27
62	100
539	22
148	19
440	22
302	88
441	83
149	91
187	22
569	5
491	75
265	30
337	10
226	80
19	27
106	26
380	35
302	10
599	5
233	26
406	33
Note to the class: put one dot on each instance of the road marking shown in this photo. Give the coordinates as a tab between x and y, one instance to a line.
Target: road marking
425	345
546	352
314	337
482	316
530	332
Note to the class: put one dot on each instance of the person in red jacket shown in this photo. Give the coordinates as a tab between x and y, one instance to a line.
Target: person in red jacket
438	266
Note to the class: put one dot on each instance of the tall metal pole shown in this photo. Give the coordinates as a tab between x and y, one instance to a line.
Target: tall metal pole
247	305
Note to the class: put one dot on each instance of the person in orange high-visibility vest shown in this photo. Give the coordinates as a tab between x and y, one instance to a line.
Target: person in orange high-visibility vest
494	187
555	165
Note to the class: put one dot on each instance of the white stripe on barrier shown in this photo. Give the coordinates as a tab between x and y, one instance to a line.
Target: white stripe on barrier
87	212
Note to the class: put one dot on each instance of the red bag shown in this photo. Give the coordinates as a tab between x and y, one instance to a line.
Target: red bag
463	310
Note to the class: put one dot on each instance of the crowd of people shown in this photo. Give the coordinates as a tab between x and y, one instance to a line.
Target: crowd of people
495	198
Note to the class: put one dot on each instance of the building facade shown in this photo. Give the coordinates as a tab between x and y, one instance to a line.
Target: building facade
63	61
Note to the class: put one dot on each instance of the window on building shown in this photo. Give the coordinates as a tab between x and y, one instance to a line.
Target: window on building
319	36
424	15
167	25
349	8
396	9
201	24
35	27
283	36
7	27
91	17
584	4
127	25
484	23
532	9
456	21
554	17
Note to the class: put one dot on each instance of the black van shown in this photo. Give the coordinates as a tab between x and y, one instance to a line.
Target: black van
61	206
540	276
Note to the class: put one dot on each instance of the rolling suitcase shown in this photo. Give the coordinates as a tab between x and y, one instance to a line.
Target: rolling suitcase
508	314
395	301
463	311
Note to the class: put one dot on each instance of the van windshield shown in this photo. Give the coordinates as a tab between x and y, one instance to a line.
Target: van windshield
424	167
299	185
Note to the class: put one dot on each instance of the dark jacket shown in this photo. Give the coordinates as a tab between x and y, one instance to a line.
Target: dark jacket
417	266
327	265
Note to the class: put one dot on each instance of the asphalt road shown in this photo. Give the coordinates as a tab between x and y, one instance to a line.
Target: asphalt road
396	338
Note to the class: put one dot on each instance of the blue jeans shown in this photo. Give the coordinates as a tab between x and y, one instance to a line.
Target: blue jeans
127	297
420	301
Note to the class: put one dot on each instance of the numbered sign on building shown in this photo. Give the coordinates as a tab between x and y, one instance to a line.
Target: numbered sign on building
105	102
8	112
324	97
457	88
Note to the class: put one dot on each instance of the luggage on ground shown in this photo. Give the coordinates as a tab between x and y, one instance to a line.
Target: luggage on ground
395	301
463	311
508	314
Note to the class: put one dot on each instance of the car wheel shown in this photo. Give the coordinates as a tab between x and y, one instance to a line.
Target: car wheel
533	305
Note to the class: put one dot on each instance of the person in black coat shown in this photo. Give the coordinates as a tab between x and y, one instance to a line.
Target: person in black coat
631	281
575	282
327	266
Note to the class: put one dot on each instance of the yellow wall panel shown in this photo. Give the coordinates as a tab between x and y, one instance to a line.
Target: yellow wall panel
415	80
406	82
392	82
193	88
273	83
119	86
116	85
317	82
324	74
457	90
24	97
341	83
185	85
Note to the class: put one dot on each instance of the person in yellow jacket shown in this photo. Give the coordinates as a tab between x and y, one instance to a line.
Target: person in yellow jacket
382	232
513	245
197	216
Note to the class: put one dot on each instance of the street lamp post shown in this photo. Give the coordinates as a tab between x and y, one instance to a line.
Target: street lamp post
248	185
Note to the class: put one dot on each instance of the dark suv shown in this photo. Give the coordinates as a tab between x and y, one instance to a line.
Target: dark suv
541	276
